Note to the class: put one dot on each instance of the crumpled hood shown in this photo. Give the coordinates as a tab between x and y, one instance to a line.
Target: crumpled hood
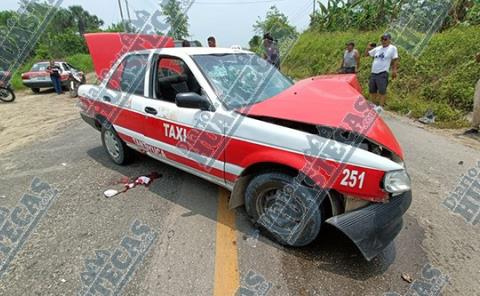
325	101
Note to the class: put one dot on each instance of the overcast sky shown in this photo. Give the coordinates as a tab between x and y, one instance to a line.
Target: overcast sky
229	20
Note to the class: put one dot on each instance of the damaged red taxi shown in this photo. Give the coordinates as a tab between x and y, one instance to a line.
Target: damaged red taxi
297	155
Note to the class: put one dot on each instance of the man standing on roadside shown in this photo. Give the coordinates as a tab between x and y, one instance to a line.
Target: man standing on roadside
351	59
385	57
272	55
212	42
54	71
475	130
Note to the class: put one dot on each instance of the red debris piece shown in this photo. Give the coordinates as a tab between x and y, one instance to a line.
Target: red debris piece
132	183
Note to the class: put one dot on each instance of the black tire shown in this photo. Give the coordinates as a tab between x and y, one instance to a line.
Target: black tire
118	151
288	213
35	90
7	94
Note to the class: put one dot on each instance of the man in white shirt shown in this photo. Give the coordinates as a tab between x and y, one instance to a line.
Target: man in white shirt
384	57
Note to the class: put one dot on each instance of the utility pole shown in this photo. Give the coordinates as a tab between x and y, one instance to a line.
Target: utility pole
314	7
128	15
121	15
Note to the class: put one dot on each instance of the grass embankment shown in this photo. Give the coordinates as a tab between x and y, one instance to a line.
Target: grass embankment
442	79
81	62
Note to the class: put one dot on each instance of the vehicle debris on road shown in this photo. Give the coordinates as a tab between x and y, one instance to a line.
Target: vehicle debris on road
407	277
429	118
129	184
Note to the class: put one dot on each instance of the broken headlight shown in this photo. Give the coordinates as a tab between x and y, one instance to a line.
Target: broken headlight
397	182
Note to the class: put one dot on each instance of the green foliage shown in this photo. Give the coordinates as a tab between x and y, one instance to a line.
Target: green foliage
5	15
275	23
61	45
442	79
255	44
83	20
62	37
339	15
177	20
473	14
120	27
81	62
17	78
279	27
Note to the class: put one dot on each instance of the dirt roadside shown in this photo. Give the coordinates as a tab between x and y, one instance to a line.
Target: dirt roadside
35	116
455	134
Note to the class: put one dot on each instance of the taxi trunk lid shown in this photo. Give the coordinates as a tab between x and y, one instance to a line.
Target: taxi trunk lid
106	48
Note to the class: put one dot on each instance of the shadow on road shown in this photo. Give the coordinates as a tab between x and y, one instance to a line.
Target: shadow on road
168	186
332	252
44	91
335	253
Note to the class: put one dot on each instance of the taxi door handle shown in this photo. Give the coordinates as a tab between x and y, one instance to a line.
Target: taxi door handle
151	110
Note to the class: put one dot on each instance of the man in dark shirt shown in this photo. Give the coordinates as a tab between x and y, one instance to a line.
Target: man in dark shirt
55	71
272	54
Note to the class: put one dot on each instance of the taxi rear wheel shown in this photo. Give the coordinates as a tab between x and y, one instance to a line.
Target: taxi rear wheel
287	213
118	151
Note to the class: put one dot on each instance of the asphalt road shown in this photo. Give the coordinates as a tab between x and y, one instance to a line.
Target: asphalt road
197	247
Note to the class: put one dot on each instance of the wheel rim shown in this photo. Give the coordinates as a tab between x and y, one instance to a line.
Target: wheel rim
276	207
289	217
112	144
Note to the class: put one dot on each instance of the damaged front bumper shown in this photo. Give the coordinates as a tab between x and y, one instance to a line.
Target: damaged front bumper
374	227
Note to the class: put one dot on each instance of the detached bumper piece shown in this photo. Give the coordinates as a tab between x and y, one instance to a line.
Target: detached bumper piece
374	227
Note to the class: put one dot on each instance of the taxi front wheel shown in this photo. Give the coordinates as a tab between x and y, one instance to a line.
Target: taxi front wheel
286	211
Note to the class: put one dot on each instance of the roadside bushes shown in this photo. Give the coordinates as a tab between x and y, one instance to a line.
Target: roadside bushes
82	62
17	76
442	79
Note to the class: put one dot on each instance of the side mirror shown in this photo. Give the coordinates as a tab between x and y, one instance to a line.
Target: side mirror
193	101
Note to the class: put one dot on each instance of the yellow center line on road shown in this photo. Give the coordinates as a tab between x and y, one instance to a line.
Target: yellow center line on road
227	278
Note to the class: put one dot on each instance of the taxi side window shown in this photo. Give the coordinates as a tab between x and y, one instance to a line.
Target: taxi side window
129	76
173	77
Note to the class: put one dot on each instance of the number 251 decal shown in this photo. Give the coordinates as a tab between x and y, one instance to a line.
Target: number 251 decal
352	178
